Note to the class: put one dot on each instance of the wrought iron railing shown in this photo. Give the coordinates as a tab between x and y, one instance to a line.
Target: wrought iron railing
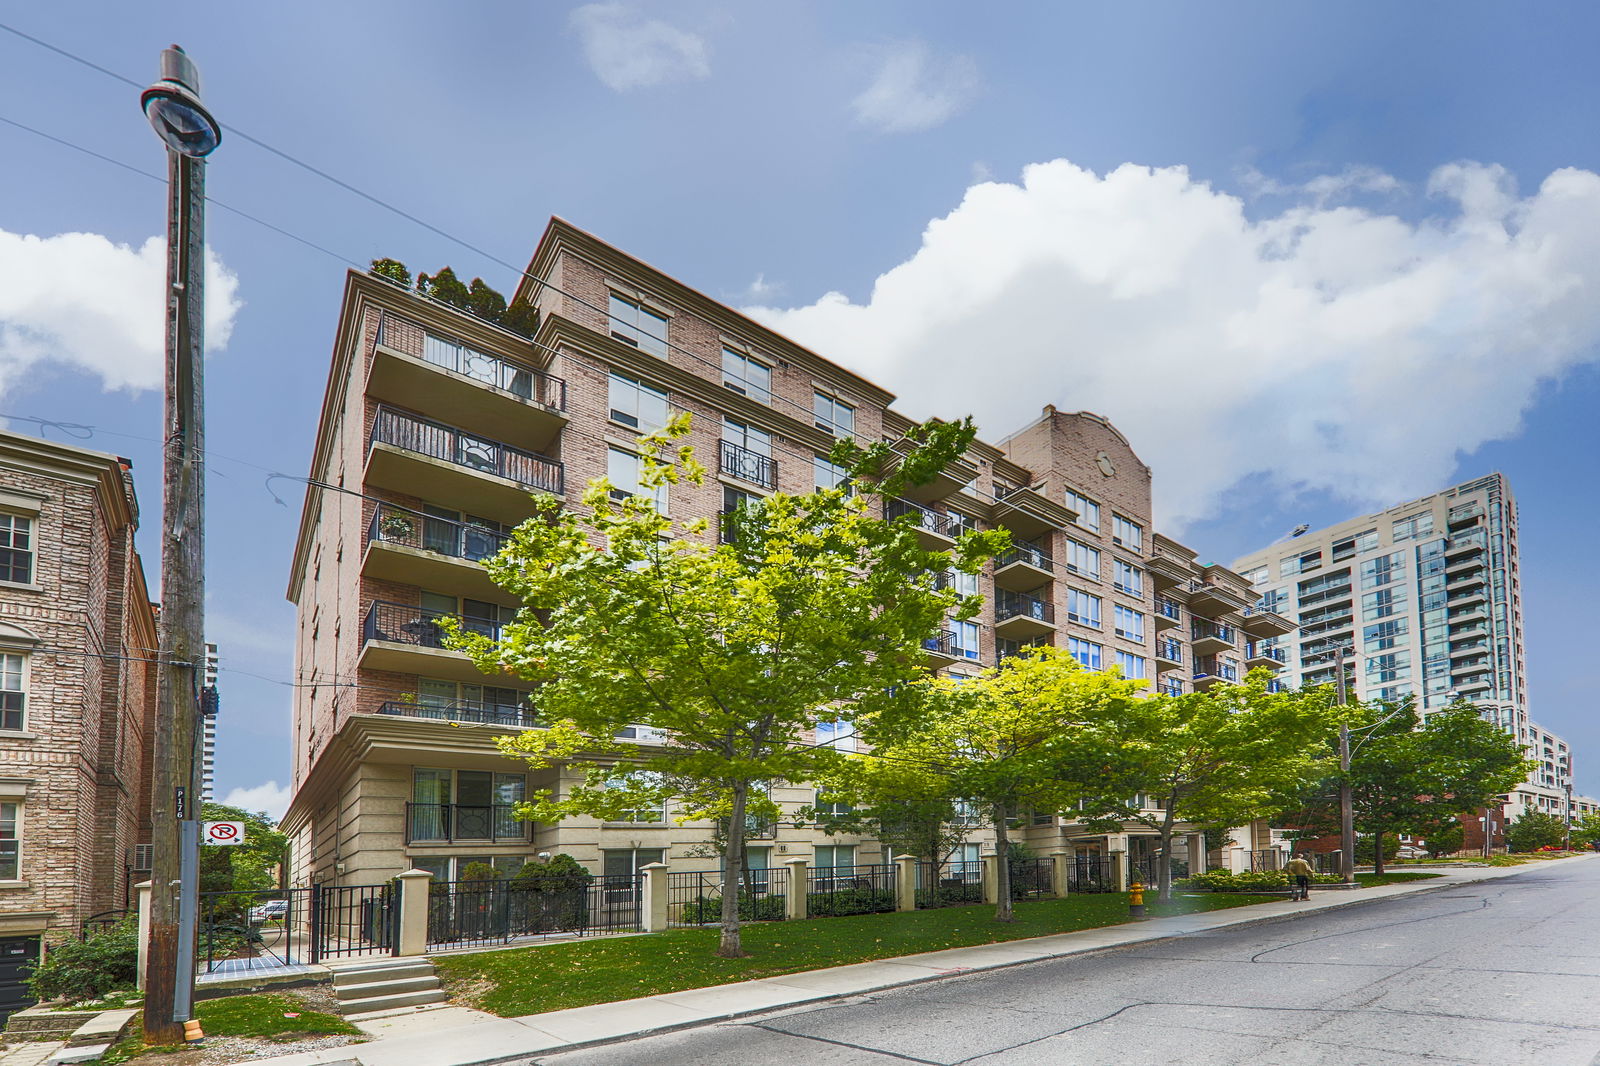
1024	552
1169	609
833	891
943	525
1254	650
467	450
1213	667
465	914
401	623
1009	604
945	642
1032	878
392	524
1091	873
1203	630
746	465
695	897
448	823
1170	650
402	335
949	884
519	716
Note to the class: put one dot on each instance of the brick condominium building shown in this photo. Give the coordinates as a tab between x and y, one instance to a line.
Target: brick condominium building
435	427
77	698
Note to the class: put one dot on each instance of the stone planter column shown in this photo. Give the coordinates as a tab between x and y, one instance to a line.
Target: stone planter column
1197	854
414	911
653	908
142	906
797	897
991	879
1058	872
1119	869
905	883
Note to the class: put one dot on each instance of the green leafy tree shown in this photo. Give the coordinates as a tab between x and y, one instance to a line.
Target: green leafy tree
392	269
1445	838
1586	830
485	302
257	865
728	651
521	317
1034	734
446	288
1533	830
909	807
1221	756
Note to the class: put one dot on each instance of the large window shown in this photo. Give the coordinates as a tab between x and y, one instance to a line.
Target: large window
13	690
1082	559
747	376
637	405
829	475
1086	652
623	470
10	841
1128	534
834	857
623	862
16	548
653	812
833	415
634	323
1125	577
829	806
1417	525
1129	623
1088	511
964	639
839	734
747	453
1083	608
463	701
460	805
1132	665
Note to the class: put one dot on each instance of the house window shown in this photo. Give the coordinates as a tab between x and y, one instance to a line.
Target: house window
833	415
1086	652
10	841
829	475
1083	608
1088	511
965	861
964	583
1132	665
16	549
1129	623
837	857
637	405
466	805
829	807
964	639
655	812
1127	578
625	862
13	690
634	323
1082	559
746	376
747	453
623	470
1128	534
839	735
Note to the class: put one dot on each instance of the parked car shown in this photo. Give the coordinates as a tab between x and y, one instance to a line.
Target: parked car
273	910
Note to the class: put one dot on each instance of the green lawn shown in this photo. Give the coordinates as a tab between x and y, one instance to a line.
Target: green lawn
260	1015
575	974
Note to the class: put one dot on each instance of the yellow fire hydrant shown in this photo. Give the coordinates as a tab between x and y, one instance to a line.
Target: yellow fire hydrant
1136	900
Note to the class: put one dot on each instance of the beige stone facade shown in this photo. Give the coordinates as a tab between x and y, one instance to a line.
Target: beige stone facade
436	426
77	697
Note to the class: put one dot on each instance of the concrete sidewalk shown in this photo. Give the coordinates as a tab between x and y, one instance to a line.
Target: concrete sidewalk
458	1036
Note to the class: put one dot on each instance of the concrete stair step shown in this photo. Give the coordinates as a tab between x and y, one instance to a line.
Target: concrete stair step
385	987
388	1002
361	975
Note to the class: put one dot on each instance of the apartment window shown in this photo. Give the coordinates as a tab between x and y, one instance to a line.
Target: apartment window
1132	665
634	323
653	812
1126	533
746	376
834	857
1127	578
10	841
1256	575
1381	604
965	861
1299	564
964	583
13	690
637	405
623	470
829	475
16	549
833	415
625	862
830	807
964	639
1383	635
466	805
1356	545
1086	652
1082	559
1083	608
1387	568
1129	623
839	734
1417	525
1088	511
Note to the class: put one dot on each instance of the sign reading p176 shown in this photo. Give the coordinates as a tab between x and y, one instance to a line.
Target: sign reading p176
223	833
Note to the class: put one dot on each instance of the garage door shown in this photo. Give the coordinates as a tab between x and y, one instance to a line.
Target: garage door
17	955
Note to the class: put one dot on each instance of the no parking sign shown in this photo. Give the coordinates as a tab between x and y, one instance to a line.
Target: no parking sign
224	833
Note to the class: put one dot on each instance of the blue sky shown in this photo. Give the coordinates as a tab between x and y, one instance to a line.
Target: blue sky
1364	282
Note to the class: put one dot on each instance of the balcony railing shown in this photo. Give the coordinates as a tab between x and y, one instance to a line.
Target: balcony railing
447	823
746	465
518	716
1020	605
1213	667
1169	609
1203	630
399	623
405	336
1323	595
480	454
944	642
400	525
1256	651
1170	650
1025	553
926	520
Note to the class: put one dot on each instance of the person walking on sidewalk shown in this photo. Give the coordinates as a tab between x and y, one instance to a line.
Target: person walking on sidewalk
1301	871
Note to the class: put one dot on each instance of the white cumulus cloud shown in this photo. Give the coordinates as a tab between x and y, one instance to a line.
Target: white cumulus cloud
81	301
629	51
268	797
1329	348
914	89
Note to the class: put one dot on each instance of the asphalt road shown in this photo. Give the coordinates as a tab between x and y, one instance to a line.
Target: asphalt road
1501	972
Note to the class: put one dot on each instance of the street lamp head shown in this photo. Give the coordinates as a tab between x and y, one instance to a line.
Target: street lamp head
173	107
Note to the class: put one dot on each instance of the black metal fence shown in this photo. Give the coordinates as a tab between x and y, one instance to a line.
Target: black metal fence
695	897
950	884
103	922
1032	878
1091	873
832	891
464	822
1266	859
240	932
439	441
464	914
351	920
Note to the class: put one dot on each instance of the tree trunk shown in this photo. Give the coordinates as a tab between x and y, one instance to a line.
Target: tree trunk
1377	852
1164	860
733	875
1002	847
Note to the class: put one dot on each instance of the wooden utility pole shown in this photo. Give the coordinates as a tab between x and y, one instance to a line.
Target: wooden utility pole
173	107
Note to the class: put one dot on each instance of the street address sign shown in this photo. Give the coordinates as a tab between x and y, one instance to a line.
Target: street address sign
223	833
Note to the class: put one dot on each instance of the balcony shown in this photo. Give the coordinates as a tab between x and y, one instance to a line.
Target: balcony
960	473
421	457
410	640
512	716
1263	621
464	823
1167	613
1472	541
413	548
1475	647
1461	516
1027	512
1169	654
1026	566
1211	597
1209	637
1474	610
936	531
1257	655
739	462
1464	596
1018	616
418	367
1470	579
943	648
1327	594
1210	671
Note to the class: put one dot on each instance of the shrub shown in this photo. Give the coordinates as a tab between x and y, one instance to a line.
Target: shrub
480	871
392	269
848	901
521	317
1366	853
707	910
1250	881
88	969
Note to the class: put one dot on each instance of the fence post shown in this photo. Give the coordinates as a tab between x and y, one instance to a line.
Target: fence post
1058	872
1197	854
1119	869
653	911
991	878
905	883
142	889
796	901
412	936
